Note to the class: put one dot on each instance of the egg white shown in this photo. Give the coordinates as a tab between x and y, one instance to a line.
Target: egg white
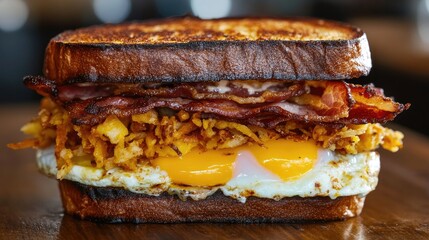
333	175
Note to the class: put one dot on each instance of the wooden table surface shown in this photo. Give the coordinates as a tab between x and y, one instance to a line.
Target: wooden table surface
30	207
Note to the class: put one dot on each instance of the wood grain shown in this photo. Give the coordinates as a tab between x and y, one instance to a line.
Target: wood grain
30	206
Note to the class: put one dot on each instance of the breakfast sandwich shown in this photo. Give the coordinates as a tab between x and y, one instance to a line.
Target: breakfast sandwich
228	120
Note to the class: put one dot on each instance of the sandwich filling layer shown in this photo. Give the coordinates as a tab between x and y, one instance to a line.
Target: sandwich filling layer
161	134
332	175
270	139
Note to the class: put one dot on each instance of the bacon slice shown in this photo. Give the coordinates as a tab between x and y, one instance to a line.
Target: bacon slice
325	102
372	104
274	91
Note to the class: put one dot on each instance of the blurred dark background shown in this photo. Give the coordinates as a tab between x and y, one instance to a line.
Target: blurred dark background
398	31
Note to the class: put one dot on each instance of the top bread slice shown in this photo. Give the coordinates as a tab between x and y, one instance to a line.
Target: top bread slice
189	49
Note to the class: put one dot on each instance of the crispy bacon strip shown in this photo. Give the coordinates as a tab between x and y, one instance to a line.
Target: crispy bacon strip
372	104
326	102
93	111
276	90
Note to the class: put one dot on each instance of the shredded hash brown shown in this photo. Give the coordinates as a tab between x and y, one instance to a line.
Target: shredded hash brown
123	142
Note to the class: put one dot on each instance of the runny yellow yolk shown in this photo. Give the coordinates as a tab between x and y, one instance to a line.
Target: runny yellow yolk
285	158
199	168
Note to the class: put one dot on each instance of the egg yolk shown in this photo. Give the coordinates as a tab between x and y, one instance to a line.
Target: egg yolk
199	168
285	158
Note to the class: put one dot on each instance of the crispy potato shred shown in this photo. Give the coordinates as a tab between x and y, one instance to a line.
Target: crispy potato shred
125	142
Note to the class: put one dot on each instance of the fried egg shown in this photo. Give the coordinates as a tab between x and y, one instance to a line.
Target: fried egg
278	169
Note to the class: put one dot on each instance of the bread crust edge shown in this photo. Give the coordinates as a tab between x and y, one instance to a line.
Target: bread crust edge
116	205
208	61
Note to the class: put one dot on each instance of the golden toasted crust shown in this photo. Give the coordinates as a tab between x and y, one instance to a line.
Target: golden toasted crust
118	205
190	49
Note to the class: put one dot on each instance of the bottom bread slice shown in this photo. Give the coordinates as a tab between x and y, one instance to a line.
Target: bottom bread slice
108	204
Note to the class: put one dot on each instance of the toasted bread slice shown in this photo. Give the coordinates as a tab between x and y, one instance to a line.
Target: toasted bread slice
190	49
118	205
